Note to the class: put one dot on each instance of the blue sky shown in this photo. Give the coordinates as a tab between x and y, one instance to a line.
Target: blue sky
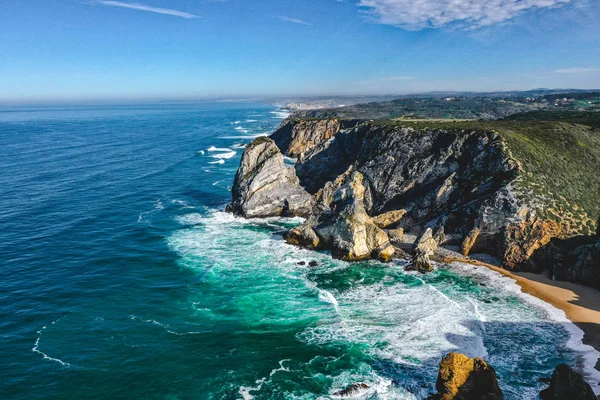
104	49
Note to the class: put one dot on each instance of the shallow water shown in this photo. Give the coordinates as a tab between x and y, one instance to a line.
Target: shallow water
122	278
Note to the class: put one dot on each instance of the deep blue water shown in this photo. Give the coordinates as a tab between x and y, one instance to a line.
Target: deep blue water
121	277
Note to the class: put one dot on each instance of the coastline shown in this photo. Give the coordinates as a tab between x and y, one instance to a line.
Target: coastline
581	304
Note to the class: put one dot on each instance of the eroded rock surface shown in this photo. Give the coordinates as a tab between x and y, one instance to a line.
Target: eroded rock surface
346	229
464	378
265	187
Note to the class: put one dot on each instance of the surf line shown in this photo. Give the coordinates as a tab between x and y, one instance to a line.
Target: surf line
36	346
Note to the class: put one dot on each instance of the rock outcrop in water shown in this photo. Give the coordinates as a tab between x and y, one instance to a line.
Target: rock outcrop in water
353	391
423	248
464	378
265	187
486	188
345	229
567	384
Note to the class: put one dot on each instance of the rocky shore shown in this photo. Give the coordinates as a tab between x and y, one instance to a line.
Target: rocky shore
363	185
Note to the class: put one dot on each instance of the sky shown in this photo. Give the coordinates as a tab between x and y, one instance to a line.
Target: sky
186	49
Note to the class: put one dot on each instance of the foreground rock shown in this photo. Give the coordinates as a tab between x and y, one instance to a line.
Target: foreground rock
265	187
464	378
346	229
567	384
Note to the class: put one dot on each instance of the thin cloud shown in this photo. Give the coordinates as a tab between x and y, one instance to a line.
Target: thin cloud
144	7
576	70
293	20
466	14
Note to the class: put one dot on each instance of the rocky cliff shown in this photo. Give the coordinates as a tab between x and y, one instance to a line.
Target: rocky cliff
498	187
265	187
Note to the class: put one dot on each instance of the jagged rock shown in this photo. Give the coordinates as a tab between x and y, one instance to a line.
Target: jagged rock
567	384
354	390
464	378
424	247
313	264
265	187
324	197
395	235
346	230
425	244
389	218
304	235
301	263
421	263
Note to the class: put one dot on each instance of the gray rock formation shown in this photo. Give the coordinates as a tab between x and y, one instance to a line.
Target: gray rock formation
567	384
265	187
346	229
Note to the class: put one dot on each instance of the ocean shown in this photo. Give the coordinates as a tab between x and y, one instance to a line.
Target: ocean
121	277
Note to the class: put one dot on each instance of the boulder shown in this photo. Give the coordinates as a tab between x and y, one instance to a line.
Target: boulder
464	378
265	187
346	230
303	235
567	384
389	218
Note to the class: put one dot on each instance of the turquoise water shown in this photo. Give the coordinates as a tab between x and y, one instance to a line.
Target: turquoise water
123	278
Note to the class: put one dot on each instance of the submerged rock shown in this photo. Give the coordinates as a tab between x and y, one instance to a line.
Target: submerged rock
346	230
354	390
265	187
567	384
464	378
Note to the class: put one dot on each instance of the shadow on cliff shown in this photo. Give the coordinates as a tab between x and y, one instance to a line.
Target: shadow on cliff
522	353
563	262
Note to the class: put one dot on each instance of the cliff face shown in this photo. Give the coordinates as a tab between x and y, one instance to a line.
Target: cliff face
484	187
265	187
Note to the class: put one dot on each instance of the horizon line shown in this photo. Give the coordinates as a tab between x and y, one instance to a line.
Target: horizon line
181	99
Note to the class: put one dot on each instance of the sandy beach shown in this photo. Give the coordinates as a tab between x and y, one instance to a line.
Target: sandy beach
580	303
